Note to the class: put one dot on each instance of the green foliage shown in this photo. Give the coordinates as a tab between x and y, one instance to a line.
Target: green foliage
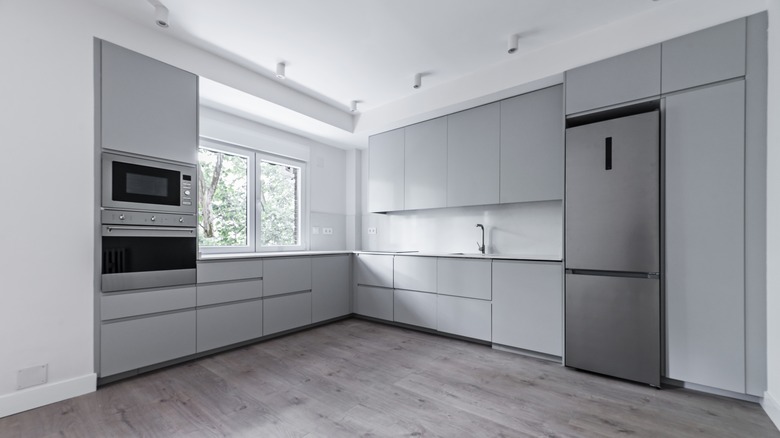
279	198
222	213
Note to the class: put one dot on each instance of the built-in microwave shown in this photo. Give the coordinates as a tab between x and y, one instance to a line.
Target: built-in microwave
131	183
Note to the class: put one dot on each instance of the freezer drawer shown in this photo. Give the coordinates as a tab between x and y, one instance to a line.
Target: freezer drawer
613	326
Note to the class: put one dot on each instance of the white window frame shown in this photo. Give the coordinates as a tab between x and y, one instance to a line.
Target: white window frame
303	190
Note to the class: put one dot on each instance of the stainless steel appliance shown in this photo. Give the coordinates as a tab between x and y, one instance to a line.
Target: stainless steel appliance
612	240
145	184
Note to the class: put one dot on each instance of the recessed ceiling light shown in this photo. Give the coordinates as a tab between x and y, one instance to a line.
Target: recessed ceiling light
280	67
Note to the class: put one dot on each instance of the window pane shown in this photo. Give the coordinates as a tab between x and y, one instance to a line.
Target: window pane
280	202
222	199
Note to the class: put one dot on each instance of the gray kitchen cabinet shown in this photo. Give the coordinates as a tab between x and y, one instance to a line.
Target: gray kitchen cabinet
531	164
286	274
414	308
376	302
623	78
425	165
374	270
705	228
147	107
703	57
331	294
215	293
129	344
415	273
228	324
464	277
286	312
127	304
386	171
464	317
228	270
473	156
528	306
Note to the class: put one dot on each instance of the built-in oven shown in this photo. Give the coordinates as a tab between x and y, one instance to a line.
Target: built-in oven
146	184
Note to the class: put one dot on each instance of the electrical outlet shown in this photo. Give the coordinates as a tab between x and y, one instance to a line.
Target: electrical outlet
37	375
327	230
315	230
371	230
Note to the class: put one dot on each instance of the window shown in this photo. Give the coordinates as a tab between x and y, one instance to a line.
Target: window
226	220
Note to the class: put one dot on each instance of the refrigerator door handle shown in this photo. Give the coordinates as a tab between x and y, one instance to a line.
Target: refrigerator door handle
650	275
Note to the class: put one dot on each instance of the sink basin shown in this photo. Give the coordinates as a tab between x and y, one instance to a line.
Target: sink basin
470	254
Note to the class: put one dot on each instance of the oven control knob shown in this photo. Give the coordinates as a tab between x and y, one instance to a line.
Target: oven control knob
154	218
187	192
181	219
121	217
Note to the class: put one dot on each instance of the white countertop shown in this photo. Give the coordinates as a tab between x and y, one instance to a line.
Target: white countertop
250	255
246	255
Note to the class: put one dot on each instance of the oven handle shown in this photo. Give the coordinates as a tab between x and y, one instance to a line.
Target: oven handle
126	231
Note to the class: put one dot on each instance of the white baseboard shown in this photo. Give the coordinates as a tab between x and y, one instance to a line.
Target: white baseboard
772	407
37	396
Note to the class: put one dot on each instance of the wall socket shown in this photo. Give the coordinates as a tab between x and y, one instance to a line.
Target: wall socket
37	375
315	230
371	230
327	230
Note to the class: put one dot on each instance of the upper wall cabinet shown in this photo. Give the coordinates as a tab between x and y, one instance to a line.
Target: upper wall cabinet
703	57
532	146
386	171
473	156
425	164
147	107
631	76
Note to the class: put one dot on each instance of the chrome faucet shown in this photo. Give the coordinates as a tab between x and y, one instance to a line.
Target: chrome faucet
481	247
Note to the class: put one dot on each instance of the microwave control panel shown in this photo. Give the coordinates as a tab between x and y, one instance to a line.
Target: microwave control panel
186	189
123	217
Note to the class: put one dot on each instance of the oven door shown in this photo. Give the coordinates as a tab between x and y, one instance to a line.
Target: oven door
146	257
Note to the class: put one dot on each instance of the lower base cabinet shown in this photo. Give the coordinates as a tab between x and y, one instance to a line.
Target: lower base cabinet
228	324
414	308
464	317
286	312
135	343
331	294
376	302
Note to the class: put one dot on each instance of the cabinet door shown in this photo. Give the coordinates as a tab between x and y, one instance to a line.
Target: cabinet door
331	290
472	156
414	273
228	270
464	277
532	146
126	304
415	308
705	300
528	306
630	76
374	270
228	324
386	171
706	56
376	302
215	293
286	312
147	107
463	317
285	275
425	165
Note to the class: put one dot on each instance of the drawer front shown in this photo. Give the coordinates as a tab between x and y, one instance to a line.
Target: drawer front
414	273
131	344
226	270
123	305
469	278
219	326
286	312
415	308
214	293
464	317
374	270
375	302
285	275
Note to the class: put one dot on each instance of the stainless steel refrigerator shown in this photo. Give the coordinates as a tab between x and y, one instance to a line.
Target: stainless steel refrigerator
612	248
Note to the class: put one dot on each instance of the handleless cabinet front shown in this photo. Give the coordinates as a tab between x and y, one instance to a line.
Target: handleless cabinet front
386	171
469	278
331	289
374	270
286	275
425	165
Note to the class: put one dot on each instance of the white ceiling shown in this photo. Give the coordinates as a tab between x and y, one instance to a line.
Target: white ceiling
366	50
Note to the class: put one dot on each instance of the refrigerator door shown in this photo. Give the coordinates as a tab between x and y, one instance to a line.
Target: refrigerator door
613	326
612	195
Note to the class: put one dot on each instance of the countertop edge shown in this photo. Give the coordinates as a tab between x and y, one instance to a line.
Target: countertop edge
519	257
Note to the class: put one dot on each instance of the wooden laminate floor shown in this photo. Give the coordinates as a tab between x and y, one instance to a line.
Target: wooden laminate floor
359	378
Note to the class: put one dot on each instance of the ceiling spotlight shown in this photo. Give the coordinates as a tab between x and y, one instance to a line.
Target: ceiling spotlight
160	13
417	81
353	106
512	47
280	71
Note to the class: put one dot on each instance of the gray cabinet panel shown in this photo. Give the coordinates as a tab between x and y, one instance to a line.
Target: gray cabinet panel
473	155
219	326
286	312
425	165
386	171
532	146
131	344
464	277
226	270
288	274
415	308
464	317
147	107
414	273
374	270
630	76
376	302
528	306
703	57
123	305
214	293
331	287
705	299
